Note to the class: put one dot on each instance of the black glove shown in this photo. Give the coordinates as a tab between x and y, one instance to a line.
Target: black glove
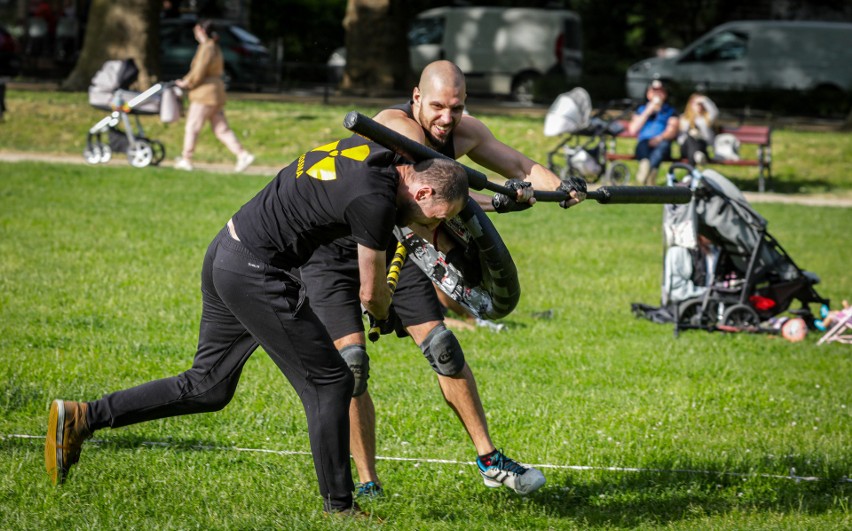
570	184
383	326
503	203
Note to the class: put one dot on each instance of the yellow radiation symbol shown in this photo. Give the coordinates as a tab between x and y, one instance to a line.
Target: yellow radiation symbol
324	168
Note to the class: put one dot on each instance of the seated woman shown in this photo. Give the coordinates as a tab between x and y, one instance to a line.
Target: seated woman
695	129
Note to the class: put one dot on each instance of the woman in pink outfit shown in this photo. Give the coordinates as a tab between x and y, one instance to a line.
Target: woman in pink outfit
207	99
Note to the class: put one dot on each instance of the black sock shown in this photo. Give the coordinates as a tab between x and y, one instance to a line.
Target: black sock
487	458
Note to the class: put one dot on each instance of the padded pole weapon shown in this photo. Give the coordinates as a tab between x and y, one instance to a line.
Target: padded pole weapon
416	152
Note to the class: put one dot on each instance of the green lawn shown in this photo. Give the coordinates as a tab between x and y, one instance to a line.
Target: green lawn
99	281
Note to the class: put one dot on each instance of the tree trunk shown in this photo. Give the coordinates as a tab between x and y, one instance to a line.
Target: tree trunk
119	29
377	61
847	124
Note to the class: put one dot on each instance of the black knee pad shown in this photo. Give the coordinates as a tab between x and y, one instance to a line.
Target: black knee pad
443	351
358	361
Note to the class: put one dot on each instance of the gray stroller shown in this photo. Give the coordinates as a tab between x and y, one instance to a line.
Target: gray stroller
117	133
747	279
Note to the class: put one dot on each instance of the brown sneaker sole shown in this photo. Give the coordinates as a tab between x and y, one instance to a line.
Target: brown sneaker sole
53	443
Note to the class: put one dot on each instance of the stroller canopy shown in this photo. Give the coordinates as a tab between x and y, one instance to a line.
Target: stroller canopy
569	113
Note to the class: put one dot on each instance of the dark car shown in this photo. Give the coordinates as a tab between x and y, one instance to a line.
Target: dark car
10	56
247	61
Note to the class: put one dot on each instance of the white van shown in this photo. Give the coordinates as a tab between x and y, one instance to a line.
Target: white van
756	55
502	51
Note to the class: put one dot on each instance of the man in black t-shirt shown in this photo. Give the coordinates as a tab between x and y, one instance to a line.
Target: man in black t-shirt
435	117
349	187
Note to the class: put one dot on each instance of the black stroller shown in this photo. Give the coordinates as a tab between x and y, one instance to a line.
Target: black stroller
109	91
583	151
749	278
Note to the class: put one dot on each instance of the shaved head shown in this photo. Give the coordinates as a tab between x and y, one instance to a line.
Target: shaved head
438	101
442	75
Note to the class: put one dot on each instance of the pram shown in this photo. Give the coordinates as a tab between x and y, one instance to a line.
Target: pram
582	153
750	279
109	91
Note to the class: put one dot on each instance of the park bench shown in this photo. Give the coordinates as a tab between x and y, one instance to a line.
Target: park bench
758	135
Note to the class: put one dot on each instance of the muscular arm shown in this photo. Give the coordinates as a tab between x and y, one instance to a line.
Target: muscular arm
374	292
478	142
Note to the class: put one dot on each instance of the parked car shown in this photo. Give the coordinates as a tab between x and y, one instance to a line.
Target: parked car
742	56
502	51
10	54
248	63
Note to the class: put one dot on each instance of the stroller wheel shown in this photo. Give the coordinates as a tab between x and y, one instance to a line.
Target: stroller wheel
618	174
741	317
92	154
106	154
159	152
140	153
690	313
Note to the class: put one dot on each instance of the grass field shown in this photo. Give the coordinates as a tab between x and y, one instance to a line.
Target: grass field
99	291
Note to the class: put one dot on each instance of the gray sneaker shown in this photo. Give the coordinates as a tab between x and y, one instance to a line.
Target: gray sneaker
500	470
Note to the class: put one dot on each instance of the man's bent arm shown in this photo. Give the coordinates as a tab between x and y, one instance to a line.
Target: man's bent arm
505	160
374	293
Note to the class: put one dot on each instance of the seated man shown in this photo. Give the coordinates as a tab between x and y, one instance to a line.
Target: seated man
655	126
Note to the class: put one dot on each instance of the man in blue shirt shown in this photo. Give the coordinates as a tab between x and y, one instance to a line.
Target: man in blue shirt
655	127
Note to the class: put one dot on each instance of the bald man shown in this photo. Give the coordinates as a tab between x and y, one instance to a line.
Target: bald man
434	117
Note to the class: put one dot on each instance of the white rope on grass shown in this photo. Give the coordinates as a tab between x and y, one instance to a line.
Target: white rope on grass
791	476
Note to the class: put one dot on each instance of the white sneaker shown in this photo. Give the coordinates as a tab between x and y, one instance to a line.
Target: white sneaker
183	164
244	160
504	471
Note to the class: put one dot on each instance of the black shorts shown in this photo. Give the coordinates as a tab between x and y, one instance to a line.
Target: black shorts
332	281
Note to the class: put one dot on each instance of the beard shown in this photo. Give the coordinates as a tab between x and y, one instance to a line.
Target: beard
435	142
406	212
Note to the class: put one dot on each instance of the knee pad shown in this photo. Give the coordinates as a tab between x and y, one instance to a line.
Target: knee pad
358	361
443	351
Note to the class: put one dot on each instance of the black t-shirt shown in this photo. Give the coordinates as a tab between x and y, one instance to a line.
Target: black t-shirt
342	188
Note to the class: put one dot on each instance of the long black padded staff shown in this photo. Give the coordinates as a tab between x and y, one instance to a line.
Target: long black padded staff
416	152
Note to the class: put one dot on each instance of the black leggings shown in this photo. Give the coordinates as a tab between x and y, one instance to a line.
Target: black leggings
247	303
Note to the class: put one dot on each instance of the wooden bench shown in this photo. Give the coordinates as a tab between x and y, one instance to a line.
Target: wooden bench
758	135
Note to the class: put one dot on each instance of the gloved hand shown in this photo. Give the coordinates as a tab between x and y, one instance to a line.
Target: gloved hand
382	326
572	184
503	203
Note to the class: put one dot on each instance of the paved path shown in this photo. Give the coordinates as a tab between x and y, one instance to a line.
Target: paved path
844	200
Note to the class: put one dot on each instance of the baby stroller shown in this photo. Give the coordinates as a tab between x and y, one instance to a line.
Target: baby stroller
109	91
751	278
582	153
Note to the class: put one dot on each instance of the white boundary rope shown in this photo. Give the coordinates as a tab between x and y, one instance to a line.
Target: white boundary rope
792	476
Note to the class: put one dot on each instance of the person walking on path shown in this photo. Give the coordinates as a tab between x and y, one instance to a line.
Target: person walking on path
207	99
250	299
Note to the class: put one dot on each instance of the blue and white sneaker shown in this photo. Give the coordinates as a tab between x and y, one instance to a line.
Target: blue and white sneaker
497	469
369	489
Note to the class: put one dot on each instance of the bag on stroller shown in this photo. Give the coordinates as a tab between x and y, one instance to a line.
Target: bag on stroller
748	277
110	91
582	153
